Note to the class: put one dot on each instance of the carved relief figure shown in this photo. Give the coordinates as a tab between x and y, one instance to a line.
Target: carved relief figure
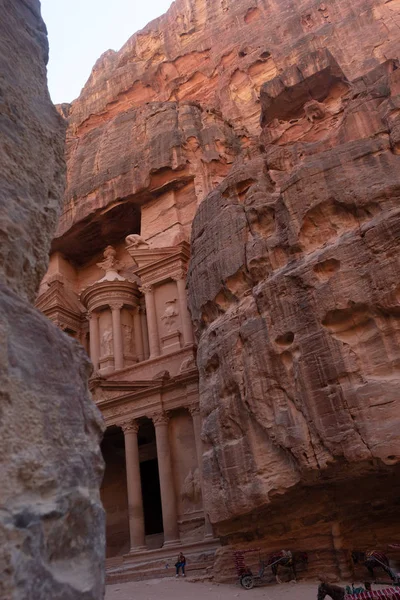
191	488
106	343
136	240
187	364
127	337
170	314
110	265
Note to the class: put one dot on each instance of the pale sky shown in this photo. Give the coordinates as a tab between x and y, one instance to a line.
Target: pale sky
81	30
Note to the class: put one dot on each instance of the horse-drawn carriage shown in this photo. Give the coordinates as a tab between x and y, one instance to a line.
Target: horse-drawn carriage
284	558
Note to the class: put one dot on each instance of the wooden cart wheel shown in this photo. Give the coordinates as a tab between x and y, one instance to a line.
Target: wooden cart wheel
247	581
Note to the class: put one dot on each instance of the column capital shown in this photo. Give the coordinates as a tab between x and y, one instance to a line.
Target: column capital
131	426
180	275
160	418
194	410
146	288
116	305
92	314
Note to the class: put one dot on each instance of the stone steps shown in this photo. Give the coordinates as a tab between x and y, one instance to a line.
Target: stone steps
158	564
201	571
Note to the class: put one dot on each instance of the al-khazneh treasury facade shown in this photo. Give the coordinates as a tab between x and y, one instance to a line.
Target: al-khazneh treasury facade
129	311
117	283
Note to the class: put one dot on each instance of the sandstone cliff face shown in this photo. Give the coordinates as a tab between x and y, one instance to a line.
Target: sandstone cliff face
297	315
293	288
216	53
51	519
293	281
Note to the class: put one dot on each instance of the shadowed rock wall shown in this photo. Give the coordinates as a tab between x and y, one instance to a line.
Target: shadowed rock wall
51	519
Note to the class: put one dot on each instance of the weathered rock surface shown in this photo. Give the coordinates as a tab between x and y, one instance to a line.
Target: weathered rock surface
51	519
138	156
31	182
293	287
132	128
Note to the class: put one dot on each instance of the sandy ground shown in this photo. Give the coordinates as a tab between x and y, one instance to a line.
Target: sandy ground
180	589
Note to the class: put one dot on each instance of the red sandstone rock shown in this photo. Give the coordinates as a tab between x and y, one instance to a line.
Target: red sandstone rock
293	281
293	288
134	127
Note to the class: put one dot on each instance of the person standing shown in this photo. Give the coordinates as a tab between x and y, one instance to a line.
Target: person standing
180	564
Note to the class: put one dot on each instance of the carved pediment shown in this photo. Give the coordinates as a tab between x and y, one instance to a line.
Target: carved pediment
58	298
154	263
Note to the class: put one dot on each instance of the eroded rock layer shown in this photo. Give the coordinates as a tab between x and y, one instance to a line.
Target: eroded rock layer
51	518
134	123
293	288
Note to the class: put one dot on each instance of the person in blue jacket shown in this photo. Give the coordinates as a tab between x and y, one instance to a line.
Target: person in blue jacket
180	564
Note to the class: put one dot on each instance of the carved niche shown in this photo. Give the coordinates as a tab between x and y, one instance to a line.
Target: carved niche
107	343
170	315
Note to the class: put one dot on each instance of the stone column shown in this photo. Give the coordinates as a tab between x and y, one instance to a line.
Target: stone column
154	341
135	499
187	328
196	417
168	499
145	333
94	334
137	330
117	336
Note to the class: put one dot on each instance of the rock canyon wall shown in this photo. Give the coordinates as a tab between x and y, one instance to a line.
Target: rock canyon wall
273	126
51	519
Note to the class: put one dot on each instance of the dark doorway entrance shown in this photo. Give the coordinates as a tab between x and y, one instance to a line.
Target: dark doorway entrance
151	497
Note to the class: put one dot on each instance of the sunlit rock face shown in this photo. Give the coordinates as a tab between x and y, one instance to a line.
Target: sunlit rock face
144	114
51	519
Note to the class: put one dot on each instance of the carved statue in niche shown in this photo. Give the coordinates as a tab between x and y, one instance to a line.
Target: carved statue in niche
315	111
188	364
110	265
191	488
106	343
127	337
136	241
170	314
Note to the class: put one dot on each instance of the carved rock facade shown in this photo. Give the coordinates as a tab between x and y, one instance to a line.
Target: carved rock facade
292	280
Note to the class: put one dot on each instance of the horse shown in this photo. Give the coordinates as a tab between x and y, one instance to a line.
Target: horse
338	593
334	591
286	558
372	560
